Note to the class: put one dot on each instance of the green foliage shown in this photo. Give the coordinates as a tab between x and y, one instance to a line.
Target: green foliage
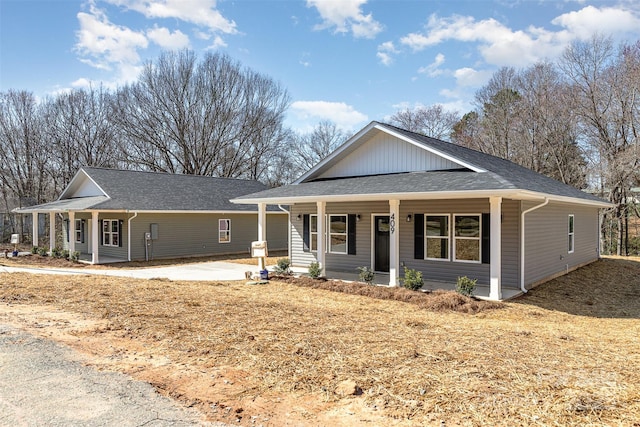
412	279
65	254
75	256
56	252
283	266
366	274
34	250
466	286
42	251
314	270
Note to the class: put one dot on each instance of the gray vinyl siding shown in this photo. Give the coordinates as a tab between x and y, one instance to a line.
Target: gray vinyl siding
79	247
113	251
193	234
432	270
546	240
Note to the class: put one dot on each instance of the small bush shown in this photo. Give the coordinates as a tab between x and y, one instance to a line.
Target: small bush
366	275
64	254
412	279
42	251
314	270
75	256
34	250
466	286
283	266
56	252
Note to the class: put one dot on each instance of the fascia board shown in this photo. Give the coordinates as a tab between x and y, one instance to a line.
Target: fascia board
68	187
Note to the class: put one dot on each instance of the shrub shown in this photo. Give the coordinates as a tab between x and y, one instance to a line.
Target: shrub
465	286
56	252
283	266
65	254
366	275
412	279
34	250
42	251
75	256
314	270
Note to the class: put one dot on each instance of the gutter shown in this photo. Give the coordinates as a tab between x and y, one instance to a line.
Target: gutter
135	214
522	245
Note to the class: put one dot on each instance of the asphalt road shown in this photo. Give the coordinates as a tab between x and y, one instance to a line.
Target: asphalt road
45	384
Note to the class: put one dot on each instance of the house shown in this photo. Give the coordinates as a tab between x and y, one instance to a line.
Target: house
388	198
111	215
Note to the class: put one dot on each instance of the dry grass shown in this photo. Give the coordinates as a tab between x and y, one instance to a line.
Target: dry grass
565	354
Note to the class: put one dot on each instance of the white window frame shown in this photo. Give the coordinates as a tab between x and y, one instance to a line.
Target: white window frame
447	237
457	238
345	234
110	232
77	230
224	236
571	232
313	233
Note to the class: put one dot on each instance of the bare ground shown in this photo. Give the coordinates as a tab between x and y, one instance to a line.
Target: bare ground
276	354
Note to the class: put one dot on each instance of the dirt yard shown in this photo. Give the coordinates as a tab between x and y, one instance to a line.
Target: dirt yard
323	353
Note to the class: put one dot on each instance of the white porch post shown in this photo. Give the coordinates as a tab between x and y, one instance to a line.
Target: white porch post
495	289
262	229
72	232
52	231
394	243
94	237
321	206
34	228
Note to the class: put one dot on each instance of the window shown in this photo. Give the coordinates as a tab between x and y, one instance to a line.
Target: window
79	232
313	232
224	231
436	237
338	234
110	232
571	234
467	235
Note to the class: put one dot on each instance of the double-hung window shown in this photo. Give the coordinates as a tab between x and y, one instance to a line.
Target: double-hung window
79	232
338	234
466	238
224	231
436	237
571	234
110	232
313	232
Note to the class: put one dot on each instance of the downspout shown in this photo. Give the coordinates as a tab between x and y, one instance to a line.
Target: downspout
135	214
288	230
546	202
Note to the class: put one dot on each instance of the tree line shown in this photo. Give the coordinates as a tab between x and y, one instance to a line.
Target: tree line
575	119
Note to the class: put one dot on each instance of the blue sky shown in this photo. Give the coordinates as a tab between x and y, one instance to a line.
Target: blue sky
348	61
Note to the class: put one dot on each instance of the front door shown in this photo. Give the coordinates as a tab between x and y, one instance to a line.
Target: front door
381	243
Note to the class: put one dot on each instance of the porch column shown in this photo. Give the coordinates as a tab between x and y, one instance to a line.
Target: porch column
34	229
52	231
495	289
94	237
394	242
321	206
72	232
262	229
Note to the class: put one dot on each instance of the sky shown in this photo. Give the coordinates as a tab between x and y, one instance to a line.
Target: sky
347	61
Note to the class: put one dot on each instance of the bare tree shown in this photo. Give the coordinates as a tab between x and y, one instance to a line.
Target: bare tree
205	118
433	121
308	149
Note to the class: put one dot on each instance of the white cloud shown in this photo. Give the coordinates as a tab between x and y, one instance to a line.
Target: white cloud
102	43
309	113
471	78
502	46
346	16
385	51
199	12
433	69
166	39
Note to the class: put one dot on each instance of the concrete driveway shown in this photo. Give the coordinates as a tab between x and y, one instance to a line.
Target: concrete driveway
206	271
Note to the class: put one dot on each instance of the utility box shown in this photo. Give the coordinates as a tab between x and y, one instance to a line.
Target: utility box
259	249
154	231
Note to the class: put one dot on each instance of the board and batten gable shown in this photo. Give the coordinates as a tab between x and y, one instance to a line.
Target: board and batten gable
547	240
386	154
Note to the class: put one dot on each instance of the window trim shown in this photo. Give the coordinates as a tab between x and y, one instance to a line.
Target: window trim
571	233
312	233
448	237
226	233
456	238
77	231
111	233
345	234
